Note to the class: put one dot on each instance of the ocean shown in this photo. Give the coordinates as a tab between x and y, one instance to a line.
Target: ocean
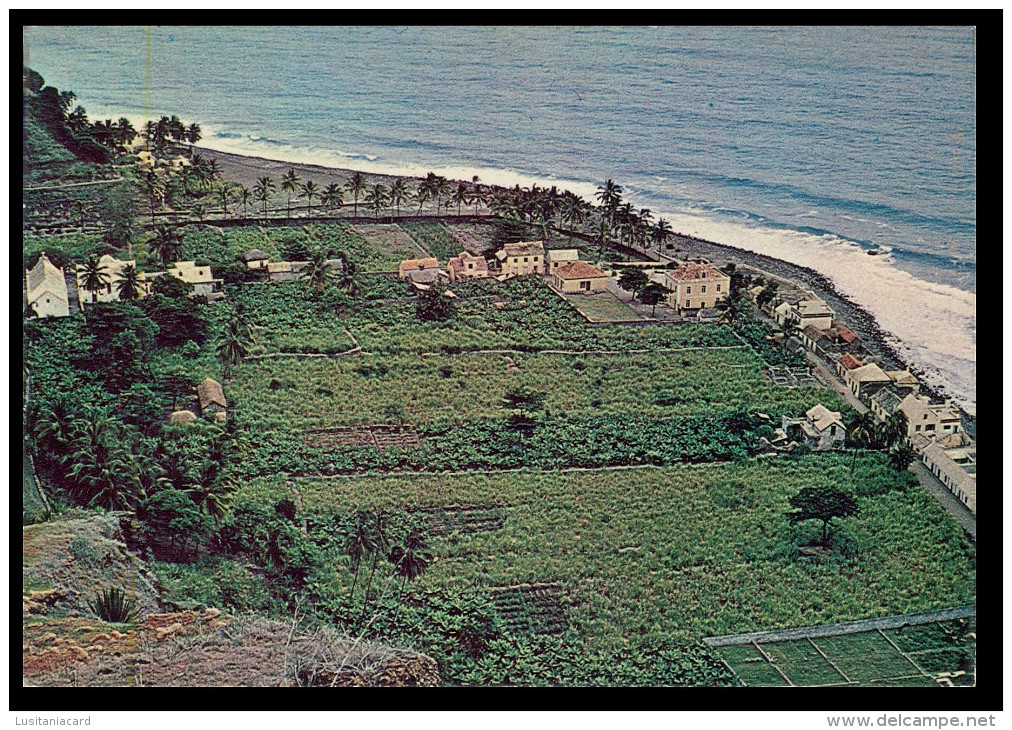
813	145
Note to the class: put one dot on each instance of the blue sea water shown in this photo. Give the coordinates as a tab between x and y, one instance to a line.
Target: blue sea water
813	145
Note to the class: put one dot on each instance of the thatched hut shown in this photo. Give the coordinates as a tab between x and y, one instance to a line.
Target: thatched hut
182	417
211	396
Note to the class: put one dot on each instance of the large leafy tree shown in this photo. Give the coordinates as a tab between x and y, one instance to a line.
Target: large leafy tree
821	503
433	305
652	295
633	279
523	408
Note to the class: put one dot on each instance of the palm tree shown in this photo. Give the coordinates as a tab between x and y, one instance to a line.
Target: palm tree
381	541
356	186
423	194
734	308
862	434
193	136
410	558
263	190
359	543
244	196
226	194
166	244
345	278
662	231
894	429
128	286
213	172
574	211
461	195
125	131
309	190
234	347
102	467
332	196
377	198
317	274
153	191
398	194
94	276
290	183
610	196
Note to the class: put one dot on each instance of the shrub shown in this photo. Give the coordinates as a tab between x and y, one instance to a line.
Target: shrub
83	551
113	606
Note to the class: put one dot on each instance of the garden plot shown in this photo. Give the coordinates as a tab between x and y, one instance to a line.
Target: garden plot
476	239
940	653
602	307
785	377
531	609
463	519
391	243
377	436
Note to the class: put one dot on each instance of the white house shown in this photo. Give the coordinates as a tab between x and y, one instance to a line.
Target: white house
560	257
46	289
811	312
953	459
820	428
523	257
201	277
864	379
696	286
113	270
929	419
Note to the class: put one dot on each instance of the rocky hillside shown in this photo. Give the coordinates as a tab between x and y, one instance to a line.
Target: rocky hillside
210	650
67	561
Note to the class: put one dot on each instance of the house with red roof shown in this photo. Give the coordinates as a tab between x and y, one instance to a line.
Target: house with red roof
696	286
579	277
467	266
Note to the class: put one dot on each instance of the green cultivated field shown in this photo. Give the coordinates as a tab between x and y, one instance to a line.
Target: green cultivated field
603	307
317	393
680	553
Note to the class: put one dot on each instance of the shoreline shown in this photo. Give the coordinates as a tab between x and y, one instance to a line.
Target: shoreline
245	169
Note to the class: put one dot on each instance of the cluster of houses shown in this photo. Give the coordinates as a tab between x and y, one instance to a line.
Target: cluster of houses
563	267
933	428
47	294
211	401
282	271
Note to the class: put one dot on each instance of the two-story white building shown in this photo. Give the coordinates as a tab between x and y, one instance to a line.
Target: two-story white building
524	257
696	286
932	420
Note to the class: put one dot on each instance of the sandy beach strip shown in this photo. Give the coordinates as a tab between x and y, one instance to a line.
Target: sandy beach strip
247	169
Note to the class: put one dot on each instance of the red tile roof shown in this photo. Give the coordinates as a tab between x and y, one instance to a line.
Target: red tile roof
579	270
418	264
846	333
691	272
849	361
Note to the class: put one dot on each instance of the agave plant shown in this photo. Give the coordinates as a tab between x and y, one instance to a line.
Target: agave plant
114	606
